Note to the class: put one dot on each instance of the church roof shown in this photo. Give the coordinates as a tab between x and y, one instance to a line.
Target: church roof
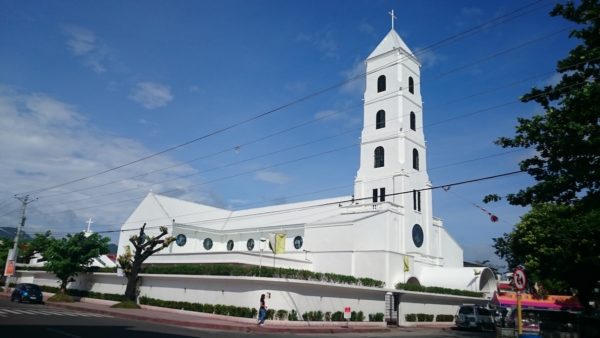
390	42
478	279
163	209
282	215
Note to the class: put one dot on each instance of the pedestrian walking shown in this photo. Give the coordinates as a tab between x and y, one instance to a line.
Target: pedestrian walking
262	311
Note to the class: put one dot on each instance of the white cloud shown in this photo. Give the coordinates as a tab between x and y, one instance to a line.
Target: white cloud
45	142
324	41
83	44
271	177
471	11
296	87
329	115
427	57
365	27
195	89
356	87
552	80
151	95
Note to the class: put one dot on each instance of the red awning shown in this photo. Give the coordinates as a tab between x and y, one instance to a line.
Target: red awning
552	302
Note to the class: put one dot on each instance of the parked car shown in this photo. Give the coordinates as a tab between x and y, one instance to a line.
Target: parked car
499	314
530	319
474	317
27	292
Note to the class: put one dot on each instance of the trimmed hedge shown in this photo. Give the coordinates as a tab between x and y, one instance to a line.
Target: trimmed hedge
293	316
423	317
313	316
440	290
281	315
337	316
411	317
220	309
376	317
444	318
86	294
242	270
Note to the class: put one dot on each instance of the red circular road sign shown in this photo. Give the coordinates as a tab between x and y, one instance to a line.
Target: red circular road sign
519	279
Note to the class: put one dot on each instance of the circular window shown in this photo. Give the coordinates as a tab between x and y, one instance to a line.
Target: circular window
417	235
298	242
250	244
208	243
180	239
230	245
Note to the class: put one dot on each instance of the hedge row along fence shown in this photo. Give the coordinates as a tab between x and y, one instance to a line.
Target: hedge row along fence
246	312
424	317
440	290
253	271
86	294
242	270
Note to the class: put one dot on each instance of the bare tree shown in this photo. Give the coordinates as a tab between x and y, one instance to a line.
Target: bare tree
144	247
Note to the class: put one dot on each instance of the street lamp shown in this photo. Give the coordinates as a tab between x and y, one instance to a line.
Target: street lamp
261	247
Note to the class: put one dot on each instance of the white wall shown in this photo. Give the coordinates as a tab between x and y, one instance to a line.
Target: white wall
301	296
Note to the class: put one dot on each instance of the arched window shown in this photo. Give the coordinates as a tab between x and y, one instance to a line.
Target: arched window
381	84
413	121
380	119
415	159
379	157
411	85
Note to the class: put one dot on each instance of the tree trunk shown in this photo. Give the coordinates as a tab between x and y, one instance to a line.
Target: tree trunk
132	282
63	286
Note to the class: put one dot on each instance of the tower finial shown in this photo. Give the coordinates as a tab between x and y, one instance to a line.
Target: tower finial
393	18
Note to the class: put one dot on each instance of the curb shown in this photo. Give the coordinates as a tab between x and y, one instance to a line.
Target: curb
225	327
232	326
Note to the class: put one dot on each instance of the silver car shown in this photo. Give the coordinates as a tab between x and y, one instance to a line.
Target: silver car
474	317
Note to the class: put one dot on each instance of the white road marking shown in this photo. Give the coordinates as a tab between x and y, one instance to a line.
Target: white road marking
47	312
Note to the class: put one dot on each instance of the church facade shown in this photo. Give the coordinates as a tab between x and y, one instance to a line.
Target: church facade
385	231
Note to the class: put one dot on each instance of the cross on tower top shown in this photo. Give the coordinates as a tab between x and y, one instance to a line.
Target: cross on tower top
393	17
89	223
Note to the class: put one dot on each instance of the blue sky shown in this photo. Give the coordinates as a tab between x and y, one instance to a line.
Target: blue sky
89	85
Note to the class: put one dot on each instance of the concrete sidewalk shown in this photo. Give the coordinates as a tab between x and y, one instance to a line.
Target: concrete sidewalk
211	321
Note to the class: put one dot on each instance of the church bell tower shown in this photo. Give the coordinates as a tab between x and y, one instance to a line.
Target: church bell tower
393	167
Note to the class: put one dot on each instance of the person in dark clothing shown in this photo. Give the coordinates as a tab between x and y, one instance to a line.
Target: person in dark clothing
262	311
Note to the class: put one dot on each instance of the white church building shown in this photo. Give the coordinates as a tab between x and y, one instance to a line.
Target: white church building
385	231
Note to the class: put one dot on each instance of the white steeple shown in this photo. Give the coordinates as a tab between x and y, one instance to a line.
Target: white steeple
393	154
391	42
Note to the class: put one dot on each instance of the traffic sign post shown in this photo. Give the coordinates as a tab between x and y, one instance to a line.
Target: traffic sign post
347	315
520	281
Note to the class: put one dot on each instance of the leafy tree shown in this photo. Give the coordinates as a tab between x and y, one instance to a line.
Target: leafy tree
131	262
38	244
558	239
68	256
5	245
559	246
566	138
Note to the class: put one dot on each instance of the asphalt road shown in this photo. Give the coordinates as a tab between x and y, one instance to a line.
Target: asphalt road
44	321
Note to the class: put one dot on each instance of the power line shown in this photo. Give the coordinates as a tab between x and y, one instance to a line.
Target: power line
319	154
338	202
522	45
505	18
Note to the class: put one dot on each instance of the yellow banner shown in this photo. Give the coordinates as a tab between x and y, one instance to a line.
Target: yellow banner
406	264
279	243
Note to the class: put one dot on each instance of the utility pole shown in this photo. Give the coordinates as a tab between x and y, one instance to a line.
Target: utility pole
15	252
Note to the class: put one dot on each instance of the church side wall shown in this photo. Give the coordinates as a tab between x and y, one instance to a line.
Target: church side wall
302	296
451	251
